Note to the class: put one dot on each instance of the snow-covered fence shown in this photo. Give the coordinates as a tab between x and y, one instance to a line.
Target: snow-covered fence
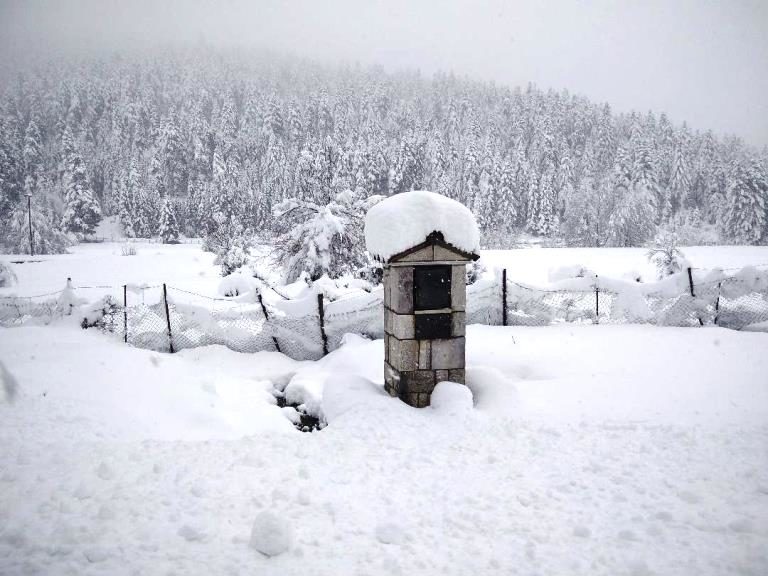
40	309
174	319
713	298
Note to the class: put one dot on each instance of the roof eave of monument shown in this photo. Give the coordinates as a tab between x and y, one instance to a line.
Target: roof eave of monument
434	239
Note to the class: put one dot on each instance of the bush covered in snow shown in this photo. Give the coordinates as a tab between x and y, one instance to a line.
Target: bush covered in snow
666	256
7	276
234	259
322	239
475	269
105	315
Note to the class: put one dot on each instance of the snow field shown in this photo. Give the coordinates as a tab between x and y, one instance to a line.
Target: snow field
187	266
581	455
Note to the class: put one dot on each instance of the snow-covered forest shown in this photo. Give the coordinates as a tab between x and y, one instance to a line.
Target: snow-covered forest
213	143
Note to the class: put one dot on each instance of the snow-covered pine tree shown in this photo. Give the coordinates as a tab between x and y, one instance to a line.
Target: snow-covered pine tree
747	202
33	155
168	228
680	179
319	239
47	238
81	211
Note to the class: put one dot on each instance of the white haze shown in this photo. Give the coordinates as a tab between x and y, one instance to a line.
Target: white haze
701	62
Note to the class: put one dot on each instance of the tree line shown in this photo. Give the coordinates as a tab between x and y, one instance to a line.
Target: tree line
214	143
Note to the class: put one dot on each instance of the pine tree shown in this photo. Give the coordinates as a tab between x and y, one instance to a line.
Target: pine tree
747	200
81	211
168	229
33	156
679	181
47	238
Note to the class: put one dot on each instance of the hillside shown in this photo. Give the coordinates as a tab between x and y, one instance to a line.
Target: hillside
217	139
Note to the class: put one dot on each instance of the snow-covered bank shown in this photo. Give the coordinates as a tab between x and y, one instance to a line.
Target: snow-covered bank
534	265
188	266
591	450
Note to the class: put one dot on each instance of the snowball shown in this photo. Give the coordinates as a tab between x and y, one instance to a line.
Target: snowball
389	533
271	535
405	220
451	398
191	533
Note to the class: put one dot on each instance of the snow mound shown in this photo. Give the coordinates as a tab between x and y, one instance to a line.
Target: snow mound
271	535
569	271
757	327
236	284
345	393
406	219
451	398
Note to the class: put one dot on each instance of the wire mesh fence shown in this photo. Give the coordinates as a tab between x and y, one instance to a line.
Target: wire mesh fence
168	319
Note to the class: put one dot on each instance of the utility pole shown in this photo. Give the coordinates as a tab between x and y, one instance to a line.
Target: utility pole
29	214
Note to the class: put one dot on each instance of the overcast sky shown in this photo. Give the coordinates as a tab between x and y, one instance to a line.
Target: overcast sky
700	61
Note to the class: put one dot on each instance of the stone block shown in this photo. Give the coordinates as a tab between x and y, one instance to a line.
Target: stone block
457	375
442	375
403	354
446	254
448	354
458	323
385	280
402	326
458	287
417	381
417	399
391	380
401	286
425	354
425	254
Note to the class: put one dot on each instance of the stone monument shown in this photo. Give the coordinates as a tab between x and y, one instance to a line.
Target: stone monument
424	289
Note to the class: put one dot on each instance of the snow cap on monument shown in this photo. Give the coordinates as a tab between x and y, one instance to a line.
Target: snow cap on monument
406	220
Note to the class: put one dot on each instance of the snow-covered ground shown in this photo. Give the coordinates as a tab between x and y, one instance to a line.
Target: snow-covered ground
533	265
186	266
582	450
585	450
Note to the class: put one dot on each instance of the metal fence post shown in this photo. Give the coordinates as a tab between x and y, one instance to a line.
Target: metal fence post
690	285
717	303
321	312
168	318
504	297
597	302
125	313
690	282
266	318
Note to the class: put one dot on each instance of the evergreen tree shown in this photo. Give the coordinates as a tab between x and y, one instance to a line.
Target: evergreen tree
81	211
747	200
168	229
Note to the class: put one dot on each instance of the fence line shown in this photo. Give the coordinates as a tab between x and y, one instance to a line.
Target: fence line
158	317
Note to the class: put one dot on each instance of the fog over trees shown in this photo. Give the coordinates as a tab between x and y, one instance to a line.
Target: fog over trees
213	142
